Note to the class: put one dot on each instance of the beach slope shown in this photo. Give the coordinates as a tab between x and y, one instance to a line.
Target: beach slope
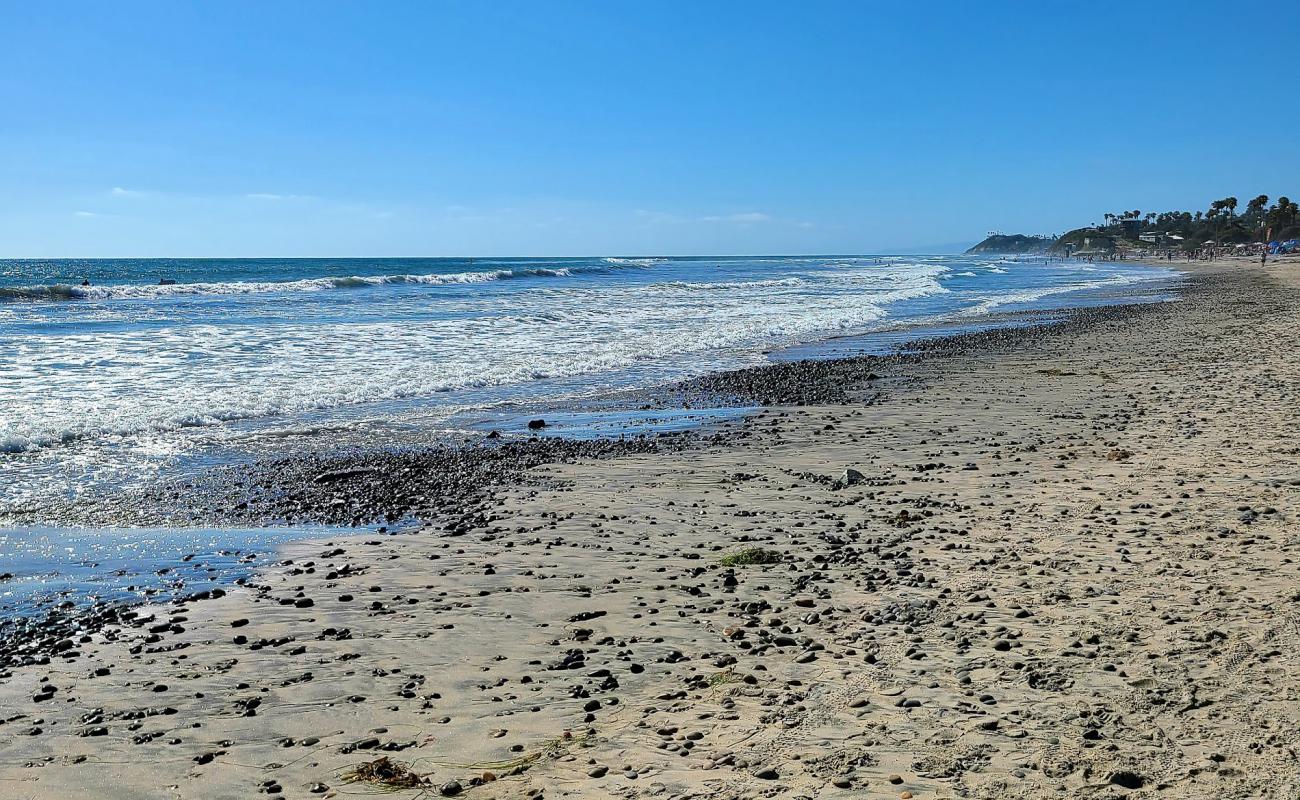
1054	563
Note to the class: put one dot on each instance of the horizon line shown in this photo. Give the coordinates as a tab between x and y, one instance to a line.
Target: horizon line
887	251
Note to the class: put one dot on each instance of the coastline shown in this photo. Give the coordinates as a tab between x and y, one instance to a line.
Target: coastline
197	432
403	476
227	492
604	581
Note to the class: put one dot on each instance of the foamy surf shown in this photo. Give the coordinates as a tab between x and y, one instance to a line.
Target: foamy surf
987	305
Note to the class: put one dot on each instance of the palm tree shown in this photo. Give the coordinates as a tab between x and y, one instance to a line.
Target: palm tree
1226	204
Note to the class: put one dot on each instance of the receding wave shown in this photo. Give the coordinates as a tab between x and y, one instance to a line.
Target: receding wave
988	303
66	292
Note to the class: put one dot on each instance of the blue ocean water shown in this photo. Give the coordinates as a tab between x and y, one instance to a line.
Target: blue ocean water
156	360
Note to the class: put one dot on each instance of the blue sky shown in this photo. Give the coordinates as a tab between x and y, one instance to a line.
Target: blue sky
558	128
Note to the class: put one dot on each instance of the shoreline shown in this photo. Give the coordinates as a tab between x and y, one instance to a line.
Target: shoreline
818	373
419	426
359	487
568	564
363	488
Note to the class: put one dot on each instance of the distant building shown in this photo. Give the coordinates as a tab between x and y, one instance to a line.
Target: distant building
1131	227
1156	237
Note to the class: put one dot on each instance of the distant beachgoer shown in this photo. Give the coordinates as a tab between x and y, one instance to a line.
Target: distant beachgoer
1263	256
85	283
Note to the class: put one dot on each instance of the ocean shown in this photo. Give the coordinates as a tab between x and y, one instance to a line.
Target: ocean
173	364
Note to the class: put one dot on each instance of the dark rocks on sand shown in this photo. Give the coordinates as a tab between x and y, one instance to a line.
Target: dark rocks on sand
848	478
1126	779
342	474
366	486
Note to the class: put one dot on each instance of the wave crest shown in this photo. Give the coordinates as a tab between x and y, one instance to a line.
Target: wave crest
633	262
59	292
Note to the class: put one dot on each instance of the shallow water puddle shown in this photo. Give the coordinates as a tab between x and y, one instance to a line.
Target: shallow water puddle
41	565
614	423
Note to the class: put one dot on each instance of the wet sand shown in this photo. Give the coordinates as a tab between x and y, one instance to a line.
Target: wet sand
1057	564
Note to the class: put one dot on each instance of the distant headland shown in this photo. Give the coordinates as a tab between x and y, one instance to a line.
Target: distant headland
1012	244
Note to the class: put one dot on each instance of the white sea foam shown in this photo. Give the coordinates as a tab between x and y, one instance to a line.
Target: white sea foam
191	376
761	284
634	262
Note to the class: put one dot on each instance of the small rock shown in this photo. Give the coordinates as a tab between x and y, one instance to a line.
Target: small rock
848	478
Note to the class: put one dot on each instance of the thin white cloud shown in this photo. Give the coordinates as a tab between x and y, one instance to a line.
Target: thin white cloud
654	217
747	217
84	214
118	191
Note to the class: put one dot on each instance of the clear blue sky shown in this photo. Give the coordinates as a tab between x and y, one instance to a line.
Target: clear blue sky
545	128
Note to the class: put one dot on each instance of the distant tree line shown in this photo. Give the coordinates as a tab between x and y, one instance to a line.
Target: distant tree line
1279	221
1220	223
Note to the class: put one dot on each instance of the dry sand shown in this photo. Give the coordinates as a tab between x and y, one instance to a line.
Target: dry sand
1067	570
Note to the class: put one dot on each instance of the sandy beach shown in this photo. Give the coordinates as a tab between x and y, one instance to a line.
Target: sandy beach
1060	563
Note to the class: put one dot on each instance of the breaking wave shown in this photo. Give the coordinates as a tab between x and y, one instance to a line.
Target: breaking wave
68	292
